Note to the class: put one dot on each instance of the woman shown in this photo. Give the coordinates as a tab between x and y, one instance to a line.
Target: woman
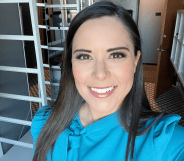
102	112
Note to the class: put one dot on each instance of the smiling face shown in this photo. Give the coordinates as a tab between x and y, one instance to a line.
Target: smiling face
103	58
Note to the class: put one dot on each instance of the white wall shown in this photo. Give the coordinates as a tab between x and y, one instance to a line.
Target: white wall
129	5
150	28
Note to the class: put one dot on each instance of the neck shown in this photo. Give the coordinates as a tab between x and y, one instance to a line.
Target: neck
85	115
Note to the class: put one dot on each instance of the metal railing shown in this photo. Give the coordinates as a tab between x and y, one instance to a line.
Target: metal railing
39	71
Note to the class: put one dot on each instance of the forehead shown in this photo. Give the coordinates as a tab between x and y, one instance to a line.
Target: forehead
104	32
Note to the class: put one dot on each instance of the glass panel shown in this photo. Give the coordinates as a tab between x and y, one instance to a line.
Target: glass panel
56	17
55	57
15	22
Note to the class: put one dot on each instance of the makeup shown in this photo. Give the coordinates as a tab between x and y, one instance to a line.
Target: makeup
102	95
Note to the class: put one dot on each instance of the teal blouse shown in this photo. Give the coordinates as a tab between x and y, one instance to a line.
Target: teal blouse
106	140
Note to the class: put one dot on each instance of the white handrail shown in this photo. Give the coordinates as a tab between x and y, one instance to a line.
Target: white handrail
20	97
14	1
18	69
55	5
16	37
18	143
52	48
52	28
15	121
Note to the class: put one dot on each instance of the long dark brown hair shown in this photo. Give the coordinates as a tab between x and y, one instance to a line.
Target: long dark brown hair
135	107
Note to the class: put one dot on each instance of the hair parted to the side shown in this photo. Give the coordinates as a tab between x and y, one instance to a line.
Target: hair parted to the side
134	109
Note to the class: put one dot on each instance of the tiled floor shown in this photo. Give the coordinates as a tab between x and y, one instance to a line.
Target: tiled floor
170	101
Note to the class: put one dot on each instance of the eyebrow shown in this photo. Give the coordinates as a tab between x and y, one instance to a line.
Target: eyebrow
78	50
111	49
117	48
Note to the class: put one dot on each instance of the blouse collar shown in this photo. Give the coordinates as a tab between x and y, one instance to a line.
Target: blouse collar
101	126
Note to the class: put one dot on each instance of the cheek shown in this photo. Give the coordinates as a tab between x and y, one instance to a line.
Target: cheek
80	74
125	74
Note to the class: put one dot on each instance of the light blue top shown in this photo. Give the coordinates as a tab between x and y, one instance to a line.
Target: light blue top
106	140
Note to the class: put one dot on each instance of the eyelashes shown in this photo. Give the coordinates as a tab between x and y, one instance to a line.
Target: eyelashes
116	55
83	56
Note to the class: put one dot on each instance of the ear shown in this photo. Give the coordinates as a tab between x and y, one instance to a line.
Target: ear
137	59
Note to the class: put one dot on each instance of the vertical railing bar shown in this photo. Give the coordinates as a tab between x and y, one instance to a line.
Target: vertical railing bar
63	19
1	150
39	93
78	6
41	78
81	5
48	51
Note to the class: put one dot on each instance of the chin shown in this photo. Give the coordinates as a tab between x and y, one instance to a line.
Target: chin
105	110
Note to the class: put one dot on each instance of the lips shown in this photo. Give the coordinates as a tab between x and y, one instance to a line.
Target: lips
102	95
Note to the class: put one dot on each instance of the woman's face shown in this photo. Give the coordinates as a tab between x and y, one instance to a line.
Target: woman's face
103	64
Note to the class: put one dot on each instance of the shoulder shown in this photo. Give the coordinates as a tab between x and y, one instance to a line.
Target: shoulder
39	120
168	137
168	125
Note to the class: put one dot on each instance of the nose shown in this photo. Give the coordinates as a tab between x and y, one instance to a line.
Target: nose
101	71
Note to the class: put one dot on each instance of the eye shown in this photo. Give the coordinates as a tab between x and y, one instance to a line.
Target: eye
117	55
83	57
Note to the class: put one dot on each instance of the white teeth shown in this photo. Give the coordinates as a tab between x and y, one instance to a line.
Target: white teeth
102	90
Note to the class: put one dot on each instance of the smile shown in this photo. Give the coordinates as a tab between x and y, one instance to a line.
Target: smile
102	92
